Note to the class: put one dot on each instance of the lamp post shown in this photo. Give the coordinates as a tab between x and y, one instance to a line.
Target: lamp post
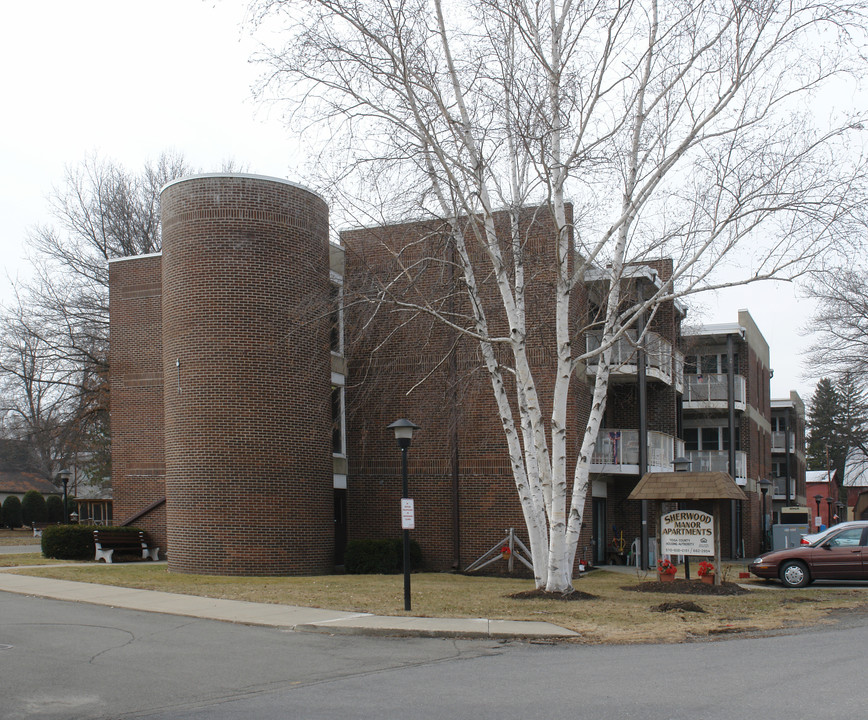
764	484
829	502
818	499
65	480
404	430
841	517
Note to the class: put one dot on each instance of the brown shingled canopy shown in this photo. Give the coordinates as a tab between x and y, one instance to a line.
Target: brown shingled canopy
687	486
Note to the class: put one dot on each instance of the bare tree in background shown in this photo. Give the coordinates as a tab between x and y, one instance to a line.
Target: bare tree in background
839	407
54	342
678	130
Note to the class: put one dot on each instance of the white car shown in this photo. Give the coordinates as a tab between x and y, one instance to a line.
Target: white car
814	537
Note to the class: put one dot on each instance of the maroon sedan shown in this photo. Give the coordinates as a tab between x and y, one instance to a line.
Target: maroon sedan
840	555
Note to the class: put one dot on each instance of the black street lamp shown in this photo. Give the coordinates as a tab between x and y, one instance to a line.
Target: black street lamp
840	506
830	502
764	484
65	480
404	430
818	499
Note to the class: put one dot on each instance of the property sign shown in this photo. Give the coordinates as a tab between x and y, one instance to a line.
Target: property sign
687	532
408	514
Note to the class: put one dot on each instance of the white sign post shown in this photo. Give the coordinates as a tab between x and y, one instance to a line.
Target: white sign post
408	514
687	532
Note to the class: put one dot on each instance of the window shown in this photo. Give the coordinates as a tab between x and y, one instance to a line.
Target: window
708	438
338	426
708	364
336	317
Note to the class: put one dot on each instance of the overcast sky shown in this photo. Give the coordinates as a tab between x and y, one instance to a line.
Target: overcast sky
128	79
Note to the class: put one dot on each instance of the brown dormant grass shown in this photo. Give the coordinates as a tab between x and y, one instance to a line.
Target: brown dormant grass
615	616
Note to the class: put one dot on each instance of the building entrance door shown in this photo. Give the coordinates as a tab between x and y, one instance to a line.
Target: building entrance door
340	525
599	530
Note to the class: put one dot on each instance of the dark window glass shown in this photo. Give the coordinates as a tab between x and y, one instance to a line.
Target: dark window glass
337	418
335	318
691	438
710	439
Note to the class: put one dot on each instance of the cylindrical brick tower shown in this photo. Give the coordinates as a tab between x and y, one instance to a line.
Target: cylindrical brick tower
246	363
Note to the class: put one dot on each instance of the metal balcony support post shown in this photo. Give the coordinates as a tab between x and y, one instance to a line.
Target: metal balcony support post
734	529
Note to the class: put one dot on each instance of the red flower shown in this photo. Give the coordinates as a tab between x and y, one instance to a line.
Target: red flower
505	551
705	568
665	567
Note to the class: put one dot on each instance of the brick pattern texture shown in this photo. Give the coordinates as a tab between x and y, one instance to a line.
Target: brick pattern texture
136	392
410	365
245	364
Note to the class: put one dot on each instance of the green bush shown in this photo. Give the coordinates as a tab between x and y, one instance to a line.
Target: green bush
54	507
68	542
384	557
10	514
33	508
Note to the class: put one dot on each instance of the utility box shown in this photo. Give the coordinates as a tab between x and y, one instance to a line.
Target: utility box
787	536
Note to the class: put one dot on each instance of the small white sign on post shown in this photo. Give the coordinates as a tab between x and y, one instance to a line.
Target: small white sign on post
408	514
687	532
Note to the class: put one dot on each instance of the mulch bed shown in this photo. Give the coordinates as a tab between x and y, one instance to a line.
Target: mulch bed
687	587
683	606
535	594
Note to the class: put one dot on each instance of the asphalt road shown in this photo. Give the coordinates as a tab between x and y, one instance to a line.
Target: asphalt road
69	660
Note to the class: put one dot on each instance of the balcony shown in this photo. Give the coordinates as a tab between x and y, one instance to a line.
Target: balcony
779	441
718	461
617	452
659	355
708	392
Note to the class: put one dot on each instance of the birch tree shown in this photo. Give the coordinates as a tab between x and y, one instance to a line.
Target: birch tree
675	128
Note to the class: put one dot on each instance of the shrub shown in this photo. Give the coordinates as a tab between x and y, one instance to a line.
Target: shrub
68	542
54	507
11	512
383	557
33	508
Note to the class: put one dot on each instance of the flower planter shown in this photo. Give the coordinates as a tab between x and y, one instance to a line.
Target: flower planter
666	577
707	579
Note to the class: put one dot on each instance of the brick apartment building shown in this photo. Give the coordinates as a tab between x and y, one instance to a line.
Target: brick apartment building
240	353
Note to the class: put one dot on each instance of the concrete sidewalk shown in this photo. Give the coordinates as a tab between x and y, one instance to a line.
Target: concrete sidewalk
287	617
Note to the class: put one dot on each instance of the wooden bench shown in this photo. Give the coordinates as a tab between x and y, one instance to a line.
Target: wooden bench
108	540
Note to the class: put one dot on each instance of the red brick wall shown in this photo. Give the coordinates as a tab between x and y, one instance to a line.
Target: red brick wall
247	411
410	365
136	394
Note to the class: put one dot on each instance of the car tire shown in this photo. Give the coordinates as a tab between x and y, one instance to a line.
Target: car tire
794	574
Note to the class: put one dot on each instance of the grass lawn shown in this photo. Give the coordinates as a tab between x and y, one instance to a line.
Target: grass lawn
615	615
20	536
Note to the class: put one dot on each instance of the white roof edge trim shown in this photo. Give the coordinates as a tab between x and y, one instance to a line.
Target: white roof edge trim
135	257
248	176
720	329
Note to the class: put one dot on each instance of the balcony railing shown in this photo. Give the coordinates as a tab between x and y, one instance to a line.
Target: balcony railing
718	461
620	448
658	355
779	441
678	369
710	391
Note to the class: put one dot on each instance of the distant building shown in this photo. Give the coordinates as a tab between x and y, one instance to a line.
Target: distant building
18	483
